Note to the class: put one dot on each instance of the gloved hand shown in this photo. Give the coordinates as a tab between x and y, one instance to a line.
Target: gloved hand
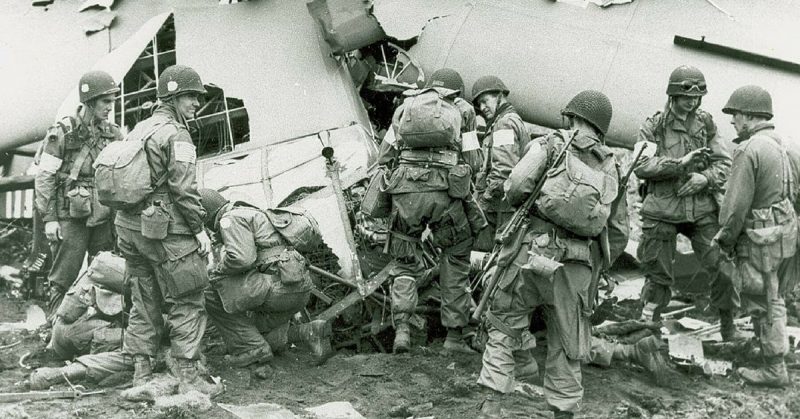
204	241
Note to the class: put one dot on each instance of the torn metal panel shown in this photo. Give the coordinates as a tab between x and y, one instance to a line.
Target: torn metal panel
291	86
88	4
346	25
405	19
99	21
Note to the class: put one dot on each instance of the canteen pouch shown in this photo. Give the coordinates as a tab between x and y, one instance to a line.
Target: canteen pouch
458	180
80	202
155	222
292	268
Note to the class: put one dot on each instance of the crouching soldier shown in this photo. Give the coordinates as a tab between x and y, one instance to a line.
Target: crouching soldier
262	272
555	260
90	317
758	222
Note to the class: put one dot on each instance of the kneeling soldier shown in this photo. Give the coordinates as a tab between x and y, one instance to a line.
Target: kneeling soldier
259	271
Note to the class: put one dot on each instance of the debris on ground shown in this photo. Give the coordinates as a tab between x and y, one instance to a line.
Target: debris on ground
335	410
34	319
259	411
192	400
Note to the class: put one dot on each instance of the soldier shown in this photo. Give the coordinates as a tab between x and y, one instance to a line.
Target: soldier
75	223
503	146
685	178
759	224
430	188
260	282
165	268
563	291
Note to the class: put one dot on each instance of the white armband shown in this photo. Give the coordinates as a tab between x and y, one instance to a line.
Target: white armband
469	141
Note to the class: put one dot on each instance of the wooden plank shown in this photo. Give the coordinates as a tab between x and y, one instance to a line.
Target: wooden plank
352	298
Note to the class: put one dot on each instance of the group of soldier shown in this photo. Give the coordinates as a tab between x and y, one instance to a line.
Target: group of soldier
459	195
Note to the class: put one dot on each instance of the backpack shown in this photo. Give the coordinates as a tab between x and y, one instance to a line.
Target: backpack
429	118
297	226
122	172
577	196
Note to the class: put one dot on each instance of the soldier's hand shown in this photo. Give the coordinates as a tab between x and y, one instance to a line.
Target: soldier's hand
204	241
696	156
695	184
52	230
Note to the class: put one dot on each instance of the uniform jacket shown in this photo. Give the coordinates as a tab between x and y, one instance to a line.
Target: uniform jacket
503	147
245	231
523	178
170	150
674	138
62	146
755	180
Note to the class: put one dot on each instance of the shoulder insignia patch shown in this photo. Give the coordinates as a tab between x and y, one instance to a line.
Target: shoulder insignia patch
502	137
185	152
469	141
225	222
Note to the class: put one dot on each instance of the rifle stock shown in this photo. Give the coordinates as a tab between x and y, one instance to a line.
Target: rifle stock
512	226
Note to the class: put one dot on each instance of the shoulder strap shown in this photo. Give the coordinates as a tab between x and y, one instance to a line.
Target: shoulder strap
788	190
78	163
144	139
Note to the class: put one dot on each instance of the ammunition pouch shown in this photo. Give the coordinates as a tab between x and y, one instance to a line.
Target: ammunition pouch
458	180
79	200
377	203
155	221
434	157
285	263
772	237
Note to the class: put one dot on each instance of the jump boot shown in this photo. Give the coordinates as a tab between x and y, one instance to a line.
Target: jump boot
191	379
454	342
142	370
257	355
727	329
43	378
646	353
317	335
774	374
402	338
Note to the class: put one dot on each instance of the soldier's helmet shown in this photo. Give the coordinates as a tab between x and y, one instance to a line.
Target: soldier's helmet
212	201
592	106
750	100
95	84
687	81
447	78
487	84
177	79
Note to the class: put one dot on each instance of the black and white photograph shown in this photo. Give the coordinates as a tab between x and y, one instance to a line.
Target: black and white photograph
415	209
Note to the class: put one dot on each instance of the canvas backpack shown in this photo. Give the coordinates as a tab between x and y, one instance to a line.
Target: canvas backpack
578	197
429	119
122	172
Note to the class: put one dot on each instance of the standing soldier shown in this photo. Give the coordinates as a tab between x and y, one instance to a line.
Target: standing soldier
75	223
557	257
430	188
503	146
261	278
759	224
163	240
685	178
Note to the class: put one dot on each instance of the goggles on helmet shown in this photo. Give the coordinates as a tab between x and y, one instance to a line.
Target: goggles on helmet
689	86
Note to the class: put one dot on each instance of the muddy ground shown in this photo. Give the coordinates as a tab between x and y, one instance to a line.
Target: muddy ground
423	383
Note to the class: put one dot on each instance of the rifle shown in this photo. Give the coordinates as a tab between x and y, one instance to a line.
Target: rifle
76	393
517	221
604	243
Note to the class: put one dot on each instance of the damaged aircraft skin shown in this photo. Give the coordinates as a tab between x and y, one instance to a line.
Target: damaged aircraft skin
547	51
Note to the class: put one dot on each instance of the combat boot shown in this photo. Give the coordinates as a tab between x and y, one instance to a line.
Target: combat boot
774	374
454	342
258	355
191	379
562	414
277	338
646	353
43	378
142	370
402	338
317	335
727	329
